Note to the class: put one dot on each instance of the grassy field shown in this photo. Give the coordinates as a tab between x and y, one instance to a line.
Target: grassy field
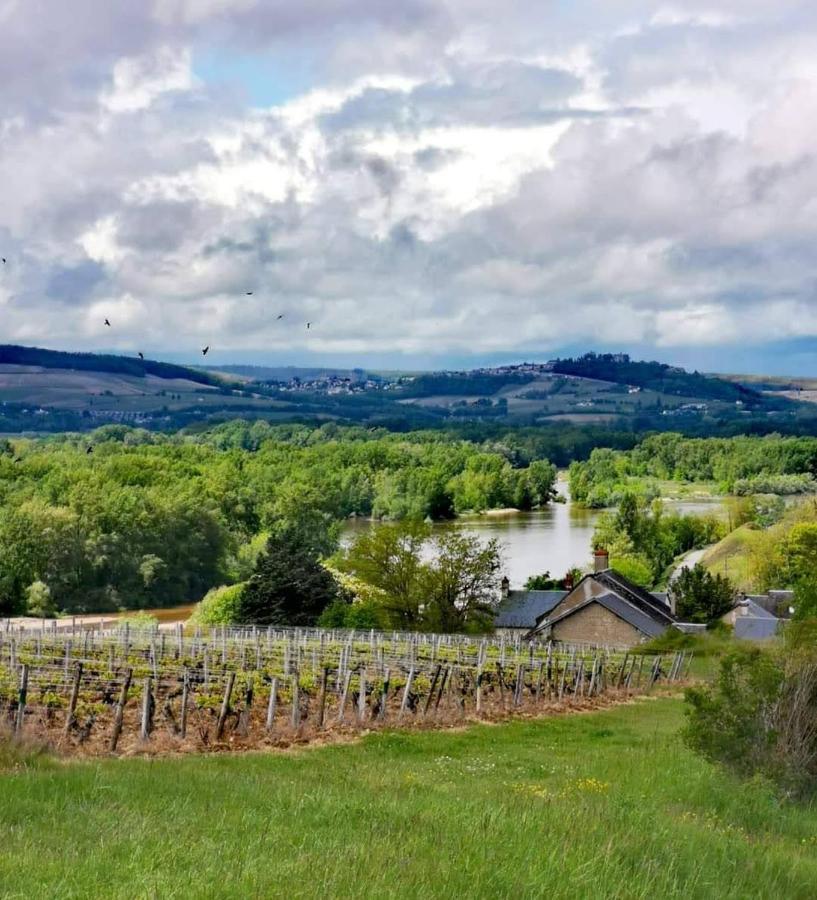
731	557
601	805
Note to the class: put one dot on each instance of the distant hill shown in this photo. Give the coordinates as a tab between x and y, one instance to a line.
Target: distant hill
285	374
13	355
48	391
655	376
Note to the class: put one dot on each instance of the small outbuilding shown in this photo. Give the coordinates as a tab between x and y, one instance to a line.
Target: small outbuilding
751	621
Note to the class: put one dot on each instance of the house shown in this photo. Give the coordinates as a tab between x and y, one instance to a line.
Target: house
605	608
751	620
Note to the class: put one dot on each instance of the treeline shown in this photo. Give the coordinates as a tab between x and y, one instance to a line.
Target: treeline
148	520
461	383
643	539
655	376
732	464
11	354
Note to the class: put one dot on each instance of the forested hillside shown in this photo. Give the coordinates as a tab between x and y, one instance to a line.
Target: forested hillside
656	376
100	362
742	465
147	520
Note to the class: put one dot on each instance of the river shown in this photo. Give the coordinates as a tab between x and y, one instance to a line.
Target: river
553	539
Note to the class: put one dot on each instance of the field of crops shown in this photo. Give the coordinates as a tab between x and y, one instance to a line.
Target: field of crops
125	690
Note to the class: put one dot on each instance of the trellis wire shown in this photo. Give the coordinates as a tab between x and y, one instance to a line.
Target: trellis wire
258	681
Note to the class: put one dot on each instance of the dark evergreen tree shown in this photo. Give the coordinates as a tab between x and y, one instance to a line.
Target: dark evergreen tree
289	585
701	596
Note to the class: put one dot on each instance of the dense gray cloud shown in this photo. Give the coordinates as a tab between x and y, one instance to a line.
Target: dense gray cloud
458	177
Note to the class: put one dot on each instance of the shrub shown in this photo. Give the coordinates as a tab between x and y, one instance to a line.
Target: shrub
138	620
760	716
39	602
219	606
342	613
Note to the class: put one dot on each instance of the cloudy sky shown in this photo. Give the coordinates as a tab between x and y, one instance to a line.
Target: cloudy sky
426	181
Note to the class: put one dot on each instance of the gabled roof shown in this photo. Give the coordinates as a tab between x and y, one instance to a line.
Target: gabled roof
749	607
635	594
623	609
521	609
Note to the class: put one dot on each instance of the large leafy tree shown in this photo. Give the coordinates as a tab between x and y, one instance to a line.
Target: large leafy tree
461	582
445	582
390	558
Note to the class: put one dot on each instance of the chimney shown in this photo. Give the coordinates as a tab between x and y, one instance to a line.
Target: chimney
505	587
567	581
601	560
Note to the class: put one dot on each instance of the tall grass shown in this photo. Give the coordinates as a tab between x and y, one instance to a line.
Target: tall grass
607	805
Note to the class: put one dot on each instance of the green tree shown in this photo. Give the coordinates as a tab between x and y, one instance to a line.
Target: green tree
289	585
542	479
461	583
700	596
390	558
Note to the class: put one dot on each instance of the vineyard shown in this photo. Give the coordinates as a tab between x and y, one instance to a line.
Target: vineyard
124	690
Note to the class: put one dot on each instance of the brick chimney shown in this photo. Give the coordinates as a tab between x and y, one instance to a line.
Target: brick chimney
505	587
601	560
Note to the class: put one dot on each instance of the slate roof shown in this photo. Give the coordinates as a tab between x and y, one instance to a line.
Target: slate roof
636	595
643	622
756	628
521	609
753	622
753	608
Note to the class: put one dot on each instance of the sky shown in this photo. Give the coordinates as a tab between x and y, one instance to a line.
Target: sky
429	183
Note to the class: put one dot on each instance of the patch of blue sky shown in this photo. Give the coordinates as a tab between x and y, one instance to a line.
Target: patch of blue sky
263	79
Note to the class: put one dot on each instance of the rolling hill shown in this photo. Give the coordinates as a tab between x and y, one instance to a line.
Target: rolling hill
48	390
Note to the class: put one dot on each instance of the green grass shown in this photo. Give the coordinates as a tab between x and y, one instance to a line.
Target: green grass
602	805
732	556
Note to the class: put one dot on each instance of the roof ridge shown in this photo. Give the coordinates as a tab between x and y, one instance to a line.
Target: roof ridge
639	597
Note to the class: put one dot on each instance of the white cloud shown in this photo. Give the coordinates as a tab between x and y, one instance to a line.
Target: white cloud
138	81
459	176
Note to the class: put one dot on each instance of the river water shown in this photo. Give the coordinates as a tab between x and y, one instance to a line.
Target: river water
552	540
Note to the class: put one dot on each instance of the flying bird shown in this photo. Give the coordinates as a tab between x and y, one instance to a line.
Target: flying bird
90	449
4	259
107	323
141	355
204	352
249	293
278	318
308	325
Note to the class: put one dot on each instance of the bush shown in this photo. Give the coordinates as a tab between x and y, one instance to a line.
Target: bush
760	717
219	606
39	602
342	613
138	620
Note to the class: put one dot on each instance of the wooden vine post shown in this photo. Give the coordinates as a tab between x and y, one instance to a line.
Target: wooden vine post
225	706
70	716
21	700
185	704
120	710
147	710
